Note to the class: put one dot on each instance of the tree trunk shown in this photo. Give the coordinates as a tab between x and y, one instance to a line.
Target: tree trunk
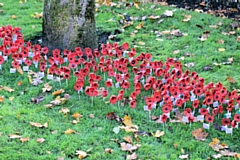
68	24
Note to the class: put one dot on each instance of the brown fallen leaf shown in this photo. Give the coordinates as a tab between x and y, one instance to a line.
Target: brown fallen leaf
127	121
46	88
39	125
132	156
111	115
230	79
40	140
19	83
64	110
132	128
81	154
128	139
77	115
199	134
139	26
91	116
69	131
186	18
108	150
24	139
1	99
238	39
58	92
19	69
14	136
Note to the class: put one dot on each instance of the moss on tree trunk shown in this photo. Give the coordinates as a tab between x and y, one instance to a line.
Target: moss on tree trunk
69	23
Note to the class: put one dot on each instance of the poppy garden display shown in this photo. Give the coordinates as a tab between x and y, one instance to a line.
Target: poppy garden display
120	67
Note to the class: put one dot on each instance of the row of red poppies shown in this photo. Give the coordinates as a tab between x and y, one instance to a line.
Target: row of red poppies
169	85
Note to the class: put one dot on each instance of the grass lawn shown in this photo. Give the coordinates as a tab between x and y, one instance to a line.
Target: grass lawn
96	133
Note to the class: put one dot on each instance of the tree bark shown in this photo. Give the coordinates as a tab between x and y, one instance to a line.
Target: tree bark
68	24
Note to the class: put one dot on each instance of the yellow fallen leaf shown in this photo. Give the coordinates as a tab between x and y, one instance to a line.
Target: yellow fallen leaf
127	120
11	98
19	69
139	26
176	51
1	4
77	115
158	134
64	110
29	78
69	131
136	4
128	139
13	16
58	92
141	43
221	49
1	99
8	89
238	39
81	154
186	18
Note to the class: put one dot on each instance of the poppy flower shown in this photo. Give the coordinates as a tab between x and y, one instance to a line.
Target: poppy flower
1	60
113	99
105	93
66	76
166	108
237	117
190	118
133	103
149	100
42	66
215	111
209	100
187	112
133	95
220	109
167	98
209	118
90	91
108	83
226	122
15	64
195	103
77	87
179	102
230	108
164	118
44	50
203	111
72	65
234	123
198	91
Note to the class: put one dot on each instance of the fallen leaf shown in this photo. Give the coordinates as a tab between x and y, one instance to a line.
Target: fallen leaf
77	115
111	115
199	134
189	65
186	18
154	17
221	49
24	139
158	134
132	128
19	69
116	130
139	26
39	125
91	115
8	89
1	4
1	99
129	147
183	156
58	92
46	88
64	110
217	156
176	51
230	79
40	140
168	13
128	139
13	16
60	158
14	136
81	154
19	83
141	43
221	41
69	131
132	156
127	120
108	150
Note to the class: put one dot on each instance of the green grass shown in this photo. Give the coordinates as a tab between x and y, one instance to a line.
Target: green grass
96	133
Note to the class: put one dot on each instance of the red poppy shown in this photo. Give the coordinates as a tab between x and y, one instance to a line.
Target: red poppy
234	123
105	93
188	112
1	60
190	118
108	83
195	103
149	100
198	91
230	108
94	85
15	64
220	109
44	50
66	76
203	111
157	96
215	111
209	100
226	122
133	95
77	87
209	118
125	46
164	118
113	99
90	91
179	102
125	84
238	99
166	108
72	65
237	117
167	98
42	66
133	103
